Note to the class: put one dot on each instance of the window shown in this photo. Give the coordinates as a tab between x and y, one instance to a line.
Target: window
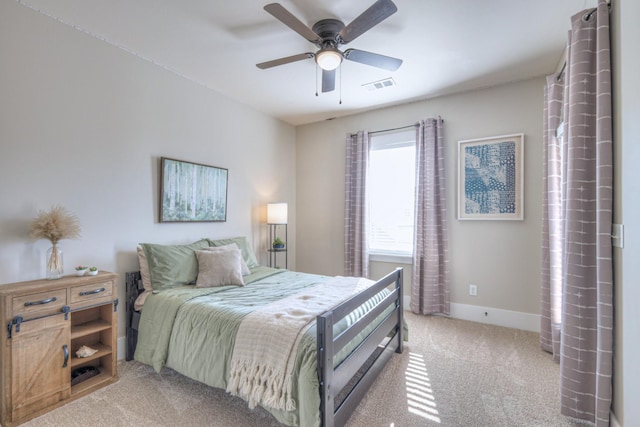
392	193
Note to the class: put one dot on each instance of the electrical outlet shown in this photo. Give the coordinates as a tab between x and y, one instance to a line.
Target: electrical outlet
473	290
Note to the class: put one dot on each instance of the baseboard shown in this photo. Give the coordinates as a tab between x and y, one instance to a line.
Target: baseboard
122	347
496	316
491	316
614	421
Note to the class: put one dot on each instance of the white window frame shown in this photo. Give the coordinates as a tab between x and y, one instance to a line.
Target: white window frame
383	141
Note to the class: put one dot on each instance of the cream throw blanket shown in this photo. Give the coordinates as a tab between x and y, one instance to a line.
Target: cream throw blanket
267	342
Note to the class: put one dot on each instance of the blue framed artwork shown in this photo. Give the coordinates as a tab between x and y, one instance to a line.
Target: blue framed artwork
192	192
491	178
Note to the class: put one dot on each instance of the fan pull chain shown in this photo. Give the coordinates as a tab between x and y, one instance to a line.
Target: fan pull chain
340	69
317	79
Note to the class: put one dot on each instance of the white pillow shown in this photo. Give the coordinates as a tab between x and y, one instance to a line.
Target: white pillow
144	269
219	268
139	302
230	247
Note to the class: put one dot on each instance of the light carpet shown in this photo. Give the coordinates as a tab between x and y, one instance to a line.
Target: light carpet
452	373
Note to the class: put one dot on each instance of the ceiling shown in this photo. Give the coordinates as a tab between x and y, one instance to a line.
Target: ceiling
447	46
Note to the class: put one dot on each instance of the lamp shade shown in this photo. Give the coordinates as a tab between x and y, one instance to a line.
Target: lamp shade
277	213
329	58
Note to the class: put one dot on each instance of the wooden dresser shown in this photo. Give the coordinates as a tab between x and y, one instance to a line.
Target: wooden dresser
45	323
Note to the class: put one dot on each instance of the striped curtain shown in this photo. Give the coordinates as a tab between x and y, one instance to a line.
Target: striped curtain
430	286
577	262
552	224
356	254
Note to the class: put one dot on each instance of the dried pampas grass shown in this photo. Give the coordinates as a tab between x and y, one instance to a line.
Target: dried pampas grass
55	225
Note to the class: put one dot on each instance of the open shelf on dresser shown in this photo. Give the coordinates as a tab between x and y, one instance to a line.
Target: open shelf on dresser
93	327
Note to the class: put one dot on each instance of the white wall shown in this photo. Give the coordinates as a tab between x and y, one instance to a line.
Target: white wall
501	257
626	85
83	124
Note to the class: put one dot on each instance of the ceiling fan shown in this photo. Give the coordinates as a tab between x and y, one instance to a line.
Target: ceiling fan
329	34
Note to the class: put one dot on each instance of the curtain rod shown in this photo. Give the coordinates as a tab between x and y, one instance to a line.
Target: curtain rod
386	130
392	129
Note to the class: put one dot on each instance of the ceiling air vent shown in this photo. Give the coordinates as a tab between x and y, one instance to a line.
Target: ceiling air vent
380	84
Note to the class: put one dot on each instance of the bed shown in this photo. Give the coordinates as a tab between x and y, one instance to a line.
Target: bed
198	331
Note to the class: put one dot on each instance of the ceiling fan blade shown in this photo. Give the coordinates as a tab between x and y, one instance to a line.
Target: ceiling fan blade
373	59
328	80
284	16
287	60
378	12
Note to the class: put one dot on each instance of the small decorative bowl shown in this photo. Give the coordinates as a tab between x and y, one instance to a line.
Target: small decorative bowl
81	272
92	272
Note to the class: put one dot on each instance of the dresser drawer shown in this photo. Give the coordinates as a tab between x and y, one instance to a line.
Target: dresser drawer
92	291
40	304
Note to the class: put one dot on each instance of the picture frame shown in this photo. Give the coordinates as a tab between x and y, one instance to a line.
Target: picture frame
491	178
192	192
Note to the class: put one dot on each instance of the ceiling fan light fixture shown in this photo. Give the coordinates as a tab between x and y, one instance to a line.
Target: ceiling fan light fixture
329	35
329	58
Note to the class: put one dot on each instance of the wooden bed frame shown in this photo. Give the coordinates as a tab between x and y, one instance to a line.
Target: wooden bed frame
357	372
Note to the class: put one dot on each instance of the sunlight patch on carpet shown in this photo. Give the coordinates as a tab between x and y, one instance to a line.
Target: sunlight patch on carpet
420	398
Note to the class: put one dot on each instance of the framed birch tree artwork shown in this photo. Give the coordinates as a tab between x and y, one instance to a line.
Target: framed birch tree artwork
491	178
192	192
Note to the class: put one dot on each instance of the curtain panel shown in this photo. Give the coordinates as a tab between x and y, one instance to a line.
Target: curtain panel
577	255
356	253
430	286
552	230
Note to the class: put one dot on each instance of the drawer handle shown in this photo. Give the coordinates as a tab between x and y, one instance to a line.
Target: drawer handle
65	351
95	291
44	301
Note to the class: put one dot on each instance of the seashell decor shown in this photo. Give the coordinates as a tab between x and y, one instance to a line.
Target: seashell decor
85	351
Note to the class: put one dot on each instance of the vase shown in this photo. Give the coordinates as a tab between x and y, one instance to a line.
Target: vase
55	267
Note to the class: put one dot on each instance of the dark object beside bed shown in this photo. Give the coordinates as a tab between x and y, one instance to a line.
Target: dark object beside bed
134	289
364	363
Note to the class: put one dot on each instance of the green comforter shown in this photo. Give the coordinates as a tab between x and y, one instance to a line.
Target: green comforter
192	330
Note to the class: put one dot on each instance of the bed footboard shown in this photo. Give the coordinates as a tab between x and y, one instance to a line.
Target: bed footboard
376	349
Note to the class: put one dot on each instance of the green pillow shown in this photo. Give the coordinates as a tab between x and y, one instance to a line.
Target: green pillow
247	253
173	265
